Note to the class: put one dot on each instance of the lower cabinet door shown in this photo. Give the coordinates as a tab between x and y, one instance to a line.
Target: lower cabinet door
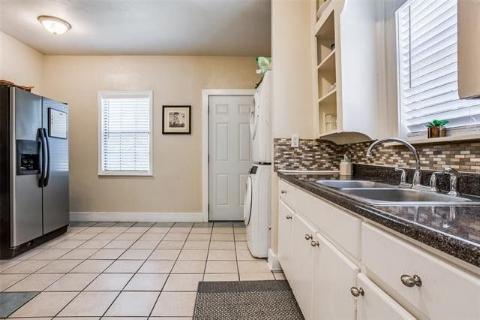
334	275
375	304
285	224
302	265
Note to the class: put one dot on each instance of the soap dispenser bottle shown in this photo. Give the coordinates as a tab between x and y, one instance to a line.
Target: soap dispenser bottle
346	166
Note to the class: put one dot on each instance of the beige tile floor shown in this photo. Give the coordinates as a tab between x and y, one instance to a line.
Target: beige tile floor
141	270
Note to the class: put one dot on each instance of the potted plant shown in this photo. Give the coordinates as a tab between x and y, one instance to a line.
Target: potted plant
436	128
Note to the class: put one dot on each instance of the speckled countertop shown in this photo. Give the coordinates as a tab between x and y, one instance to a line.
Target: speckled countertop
453	229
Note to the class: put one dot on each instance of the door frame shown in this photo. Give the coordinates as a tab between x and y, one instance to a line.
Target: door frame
206	93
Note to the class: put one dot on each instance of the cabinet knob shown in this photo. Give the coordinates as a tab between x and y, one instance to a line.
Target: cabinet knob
283	191
411	281
308	236
357	292
288	217
315	243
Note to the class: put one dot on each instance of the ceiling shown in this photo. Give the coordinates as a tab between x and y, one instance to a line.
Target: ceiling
173	27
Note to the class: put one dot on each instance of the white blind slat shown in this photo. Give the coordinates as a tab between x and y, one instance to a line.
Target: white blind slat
428	66
126	132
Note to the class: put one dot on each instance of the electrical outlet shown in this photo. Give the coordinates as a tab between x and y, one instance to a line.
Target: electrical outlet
295	141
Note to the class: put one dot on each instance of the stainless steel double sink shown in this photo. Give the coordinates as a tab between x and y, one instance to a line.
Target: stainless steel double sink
377	193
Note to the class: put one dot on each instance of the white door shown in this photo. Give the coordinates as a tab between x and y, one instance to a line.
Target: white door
229	155
334	275
285	228
302	264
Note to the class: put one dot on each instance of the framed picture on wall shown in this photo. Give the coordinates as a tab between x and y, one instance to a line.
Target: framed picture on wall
176	120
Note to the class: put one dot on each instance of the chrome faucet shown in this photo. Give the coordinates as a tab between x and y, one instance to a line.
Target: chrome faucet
433	181
453	181
416	176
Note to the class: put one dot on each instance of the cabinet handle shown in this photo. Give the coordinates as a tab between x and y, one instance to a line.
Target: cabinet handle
357	292
411	281
315	243
283	191
288	217
308	236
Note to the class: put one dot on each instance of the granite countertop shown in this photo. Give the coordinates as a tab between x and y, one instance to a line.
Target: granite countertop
453	229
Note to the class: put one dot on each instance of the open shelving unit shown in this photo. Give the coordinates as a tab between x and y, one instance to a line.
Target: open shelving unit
344	75
326	74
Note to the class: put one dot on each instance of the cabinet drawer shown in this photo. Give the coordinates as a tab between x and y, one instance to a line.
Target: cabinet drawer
376	304
445	292
288	194
340	226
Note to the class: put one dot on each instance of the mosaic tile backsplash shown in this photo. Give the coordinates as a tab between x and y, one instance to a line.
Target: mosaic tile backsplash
325	155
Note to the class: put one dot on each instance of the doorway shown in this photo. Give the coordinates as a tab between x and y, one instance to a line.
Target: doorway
229	153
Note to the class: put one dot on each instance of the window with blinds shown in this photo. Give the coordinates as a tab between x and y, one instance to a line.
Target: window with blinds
427	67
125	133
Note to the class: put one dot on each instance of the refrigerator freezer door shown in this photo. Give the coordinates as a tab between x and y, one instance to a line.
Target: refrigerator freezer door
26	212
55	194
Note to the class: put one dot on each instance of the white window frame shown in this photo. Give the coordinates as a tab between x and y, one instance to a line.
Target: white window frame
453	134
106	94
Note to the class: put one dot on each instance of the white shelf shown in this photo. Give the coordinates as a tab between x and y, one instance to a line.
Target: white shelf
328	63
329	97
327	133
322	7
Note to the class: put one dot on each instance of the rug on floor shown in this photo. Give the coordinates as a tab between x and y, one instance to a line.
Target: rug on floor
242	300
12	301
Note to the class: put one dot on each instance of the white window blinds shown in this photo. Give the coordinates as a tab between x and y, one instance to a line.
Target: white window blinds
427	63
125	133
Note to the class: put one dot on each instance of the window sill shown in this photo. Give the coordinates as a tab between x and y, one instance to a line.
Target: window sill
125	174
424	140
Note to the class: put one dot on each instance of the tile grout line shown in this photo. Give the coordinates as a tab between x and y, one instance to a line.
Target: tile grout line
83	290
168	277
57	259
126	284
208	250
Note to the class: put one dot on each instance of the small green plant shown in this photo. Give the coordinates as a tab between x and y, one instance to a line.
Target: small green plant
436	124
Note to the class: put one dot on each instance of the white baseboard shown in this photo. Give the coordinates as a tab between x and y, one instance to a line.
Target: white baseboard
273	262
138	216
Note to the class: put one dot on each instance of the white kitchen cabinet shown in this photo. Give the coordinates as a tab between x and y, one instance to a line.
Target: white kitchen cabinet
302	264
285	228
338	225
375	304
344	251
333	276
345	71
443	291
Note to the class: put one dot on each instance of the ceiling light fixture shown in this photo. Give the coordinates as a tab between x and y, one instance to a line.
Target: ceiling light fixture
54	25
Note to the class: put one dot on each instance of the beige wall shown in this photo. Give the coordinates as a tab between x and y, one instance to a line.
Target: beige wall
19	63
176	185
292	80
292	76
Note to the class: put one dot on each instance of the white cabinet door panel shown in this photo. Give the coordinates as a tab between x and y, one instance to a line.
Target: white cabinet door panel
302	262
285	225
334	275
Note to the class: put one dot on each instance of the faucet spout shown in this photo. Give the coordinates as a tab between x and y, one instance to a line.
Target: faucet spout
416	177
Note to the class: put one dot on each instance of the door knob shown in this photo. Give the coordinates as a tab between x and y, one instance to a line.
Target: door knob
288	217
308	237
283	192
356	292
411	281
315	243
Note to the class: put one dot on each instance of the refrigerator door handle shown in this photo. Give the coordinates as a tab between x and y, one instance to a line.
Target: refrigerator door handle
47	171
43	159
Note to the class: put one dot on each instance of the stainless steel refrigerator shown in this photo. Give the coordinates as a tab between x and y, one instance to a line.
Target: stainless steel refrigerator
34	170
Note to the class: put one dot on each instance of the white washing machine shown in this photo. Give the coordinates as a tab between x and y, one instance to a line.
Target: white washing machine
257	210
260	122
